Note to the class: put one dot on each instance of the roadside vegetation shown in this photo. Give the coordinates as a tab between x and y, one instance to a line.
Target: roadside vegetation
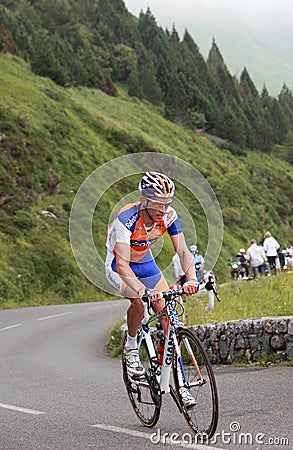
52	138
100	44
270	296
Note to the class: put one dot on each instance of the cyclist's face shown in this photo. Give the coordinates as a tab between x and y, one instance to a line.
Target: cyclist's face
157	207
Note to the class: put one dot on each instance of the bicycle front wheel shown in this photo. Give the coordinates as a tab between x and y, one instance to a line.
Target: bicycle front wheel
144	393
193	371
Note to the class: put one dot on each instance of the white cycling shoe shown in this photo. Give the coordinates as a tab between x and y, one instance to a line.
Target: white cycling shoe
188	399
134	366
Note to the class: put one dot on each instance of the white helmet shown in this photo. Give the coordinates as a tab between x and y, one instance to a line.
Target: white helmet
193	248
242	250
156	184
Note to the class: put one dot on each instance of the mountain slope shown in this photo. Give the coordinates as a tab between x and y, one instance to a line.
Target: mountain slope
52	138
256	35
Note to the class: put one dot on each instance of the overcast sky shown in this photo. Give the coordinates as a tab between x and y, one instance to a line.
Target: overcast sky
183	12
249	34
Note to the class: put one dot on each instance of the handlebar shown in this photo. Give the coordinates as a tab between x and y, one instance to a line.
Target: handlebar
168	296
172	294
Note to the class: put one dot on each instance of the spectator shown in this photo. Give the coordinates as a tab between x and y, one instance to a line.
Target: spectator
282	255
289	258
271	247
198	262
286	260
256	257
243	260
278	264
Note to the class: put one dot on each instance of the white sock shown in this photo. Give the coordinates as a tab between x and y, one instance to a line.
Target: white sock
131	342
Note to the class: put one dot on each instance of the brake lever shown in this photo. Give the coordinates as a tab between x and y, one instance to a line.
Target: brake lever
145	298
210	286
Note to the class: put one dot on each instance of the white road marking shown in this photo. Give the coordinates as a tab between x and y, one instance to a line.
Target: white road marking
24	410
166	440
55	315
102	306
11	326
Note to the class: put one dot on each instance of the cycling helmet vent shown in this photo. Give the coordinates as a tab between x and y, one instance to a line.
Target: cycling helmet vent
156	184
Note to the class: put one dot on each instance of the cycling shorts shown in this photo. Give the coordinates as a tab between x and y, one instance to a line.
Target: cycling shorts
147	272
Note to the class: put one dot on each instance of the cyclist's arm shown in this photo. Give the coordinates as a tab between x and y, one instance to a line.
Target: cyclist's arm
185	256
135	287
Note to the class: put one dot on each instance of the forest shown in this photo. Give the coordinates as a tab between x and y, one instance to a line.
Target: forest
99	44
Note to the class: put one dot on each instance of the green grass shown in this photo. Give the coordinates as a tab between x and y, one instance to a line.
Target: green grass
56	137
269	296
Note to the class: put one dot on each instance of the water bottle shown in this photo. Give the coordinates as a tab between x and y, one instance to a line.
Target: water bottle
161	351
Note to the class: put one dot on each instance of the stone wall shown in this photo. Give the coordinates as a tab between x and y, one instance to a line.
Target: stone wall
249	339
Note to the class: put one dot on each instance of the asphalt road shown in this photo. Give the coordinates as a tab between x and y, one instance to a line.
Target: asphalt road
60	390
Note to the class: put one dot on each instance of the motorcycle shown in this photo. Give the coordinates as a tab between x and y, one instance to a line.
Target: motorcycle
238	271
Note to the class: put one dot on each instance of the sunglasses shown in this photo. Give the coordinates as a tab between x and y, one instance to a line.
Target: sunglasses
159	205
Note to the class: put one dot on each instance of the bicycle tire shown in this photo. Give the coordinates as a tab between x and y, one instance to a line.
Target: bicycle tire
145	394
203	417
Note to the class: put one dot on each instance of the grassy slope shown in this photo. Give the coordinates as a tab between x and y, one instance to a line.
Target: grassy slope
54	138
270	296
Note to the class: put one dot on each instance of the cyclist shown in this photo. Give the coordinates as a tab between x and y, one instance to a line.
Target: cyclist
130	266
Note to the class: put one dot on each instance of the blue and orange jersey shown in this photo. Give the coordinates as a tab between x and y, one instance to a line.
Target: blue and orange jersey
128	227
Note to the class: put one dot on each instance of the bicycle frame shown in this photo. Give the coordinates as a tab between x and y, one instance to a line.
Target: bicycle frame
193	387
163	372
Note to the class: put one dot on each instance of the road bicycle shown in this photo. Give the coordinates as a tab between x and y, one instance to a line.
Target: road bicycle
192	371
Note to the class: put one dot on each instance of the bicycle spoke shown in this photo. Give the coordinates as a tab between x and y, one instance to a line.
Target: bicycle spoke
144	392
199	383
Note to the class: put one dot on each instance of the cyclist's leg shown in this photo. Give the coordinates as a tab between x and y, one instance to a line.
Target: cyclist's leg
151	276
136	310
161	286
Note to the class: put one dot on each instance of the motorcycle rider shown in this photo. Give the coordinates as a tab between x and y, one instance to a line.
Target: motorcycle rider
243	261
239	265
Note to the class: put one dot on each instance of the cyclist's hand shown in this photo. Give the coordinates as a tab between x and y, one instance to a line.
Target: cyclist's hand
154	295
191	287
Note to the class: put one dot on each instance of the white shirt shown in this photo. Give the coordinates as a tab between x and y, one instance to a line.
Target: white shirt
271	246
255	255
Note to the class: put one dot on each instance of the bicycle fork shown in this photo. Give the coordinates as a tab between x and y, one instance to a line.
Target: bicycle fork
180	369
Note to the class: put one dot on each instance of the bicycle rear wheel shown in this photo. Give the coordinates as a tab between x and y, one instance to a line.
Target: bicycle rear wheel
200	383
144	393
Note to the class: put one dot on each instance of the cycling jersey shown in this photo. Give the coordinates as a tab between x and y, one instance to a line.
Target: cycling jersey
129	228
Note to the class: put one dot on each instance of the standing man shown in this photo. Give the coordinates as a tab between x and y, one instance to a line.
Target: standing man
271	246
256	257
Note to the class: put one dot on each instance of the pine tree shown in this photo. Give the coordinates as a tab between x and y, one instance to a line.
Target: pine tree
6	45
247	84
50	58
286	102
156	42
176	107
147	77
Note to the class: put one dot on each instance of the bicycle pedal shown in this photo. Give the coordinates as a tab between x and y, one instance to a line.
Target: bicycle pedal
138	378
